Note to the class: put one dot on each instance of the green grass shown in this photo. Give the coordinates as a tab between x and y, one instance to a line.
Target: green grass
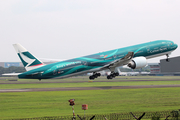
55	103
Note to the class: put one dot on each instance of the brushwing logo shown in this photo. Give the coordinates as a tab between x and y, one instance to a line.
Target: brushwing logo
26	59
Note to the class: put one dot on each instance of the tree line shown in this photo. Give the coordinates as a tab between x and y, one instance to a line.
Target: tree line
11	69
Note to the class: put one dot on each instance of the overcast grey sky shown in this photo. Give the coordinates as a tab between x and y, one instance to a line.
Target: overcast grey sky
62	29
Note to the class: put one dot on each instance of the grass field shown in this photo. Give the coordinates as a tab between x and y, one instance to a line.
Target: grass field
55	103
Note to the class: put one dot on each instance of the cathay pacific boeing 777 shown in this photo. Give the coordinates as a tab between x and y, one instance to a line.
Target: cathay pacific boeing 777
134	57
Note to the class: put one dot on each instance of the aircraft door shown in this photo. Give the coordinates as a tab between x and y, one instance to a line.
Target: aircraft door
148	49
85	63
115	57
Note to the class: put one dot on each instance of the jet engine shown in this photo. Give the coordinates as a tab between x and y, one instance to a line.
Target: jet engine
137	62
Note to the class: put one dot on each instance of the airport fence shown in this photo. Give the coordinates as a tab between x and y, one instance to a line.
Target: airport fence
114	116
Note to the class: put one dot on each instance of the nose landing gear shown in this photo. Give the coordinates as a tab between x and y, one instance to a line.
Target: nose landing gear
167	59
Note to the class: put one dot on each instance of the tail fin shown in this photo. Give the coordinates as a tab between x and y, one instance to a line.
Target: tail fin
29	61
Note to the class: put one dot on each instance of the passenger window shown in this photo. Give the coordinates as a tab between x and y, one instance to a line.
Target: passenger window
54	72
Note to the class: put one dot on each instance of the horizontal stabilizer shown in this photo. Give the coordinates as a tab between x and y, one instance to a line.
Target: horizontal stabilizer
11	74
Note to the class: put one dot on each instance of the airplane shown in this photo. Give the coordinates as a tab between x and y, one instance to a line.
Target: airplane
134	57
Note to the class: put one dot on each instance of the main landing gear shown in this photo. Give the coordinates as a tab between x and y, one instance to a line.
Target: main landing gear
95	75
112	75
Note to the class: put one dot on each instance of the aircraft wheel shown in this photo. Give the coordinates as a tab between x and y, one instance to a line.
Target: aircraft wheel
113	75
94	76
167	60
91	77
117	74
109	77
99	74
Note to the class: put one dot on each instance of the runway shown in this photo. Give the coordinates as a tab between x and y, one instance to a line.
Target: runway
114	80
86	88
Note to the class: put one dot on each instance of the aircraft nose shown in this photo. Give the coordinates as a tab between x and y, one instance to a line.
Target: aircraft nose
176	46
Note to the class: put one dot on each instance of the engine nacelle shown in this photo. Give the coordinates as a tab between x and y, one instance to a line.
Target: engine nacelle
138	62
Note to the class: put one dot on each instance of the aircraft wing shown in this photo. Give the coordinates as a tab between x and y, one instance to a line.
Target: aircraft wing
120	62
